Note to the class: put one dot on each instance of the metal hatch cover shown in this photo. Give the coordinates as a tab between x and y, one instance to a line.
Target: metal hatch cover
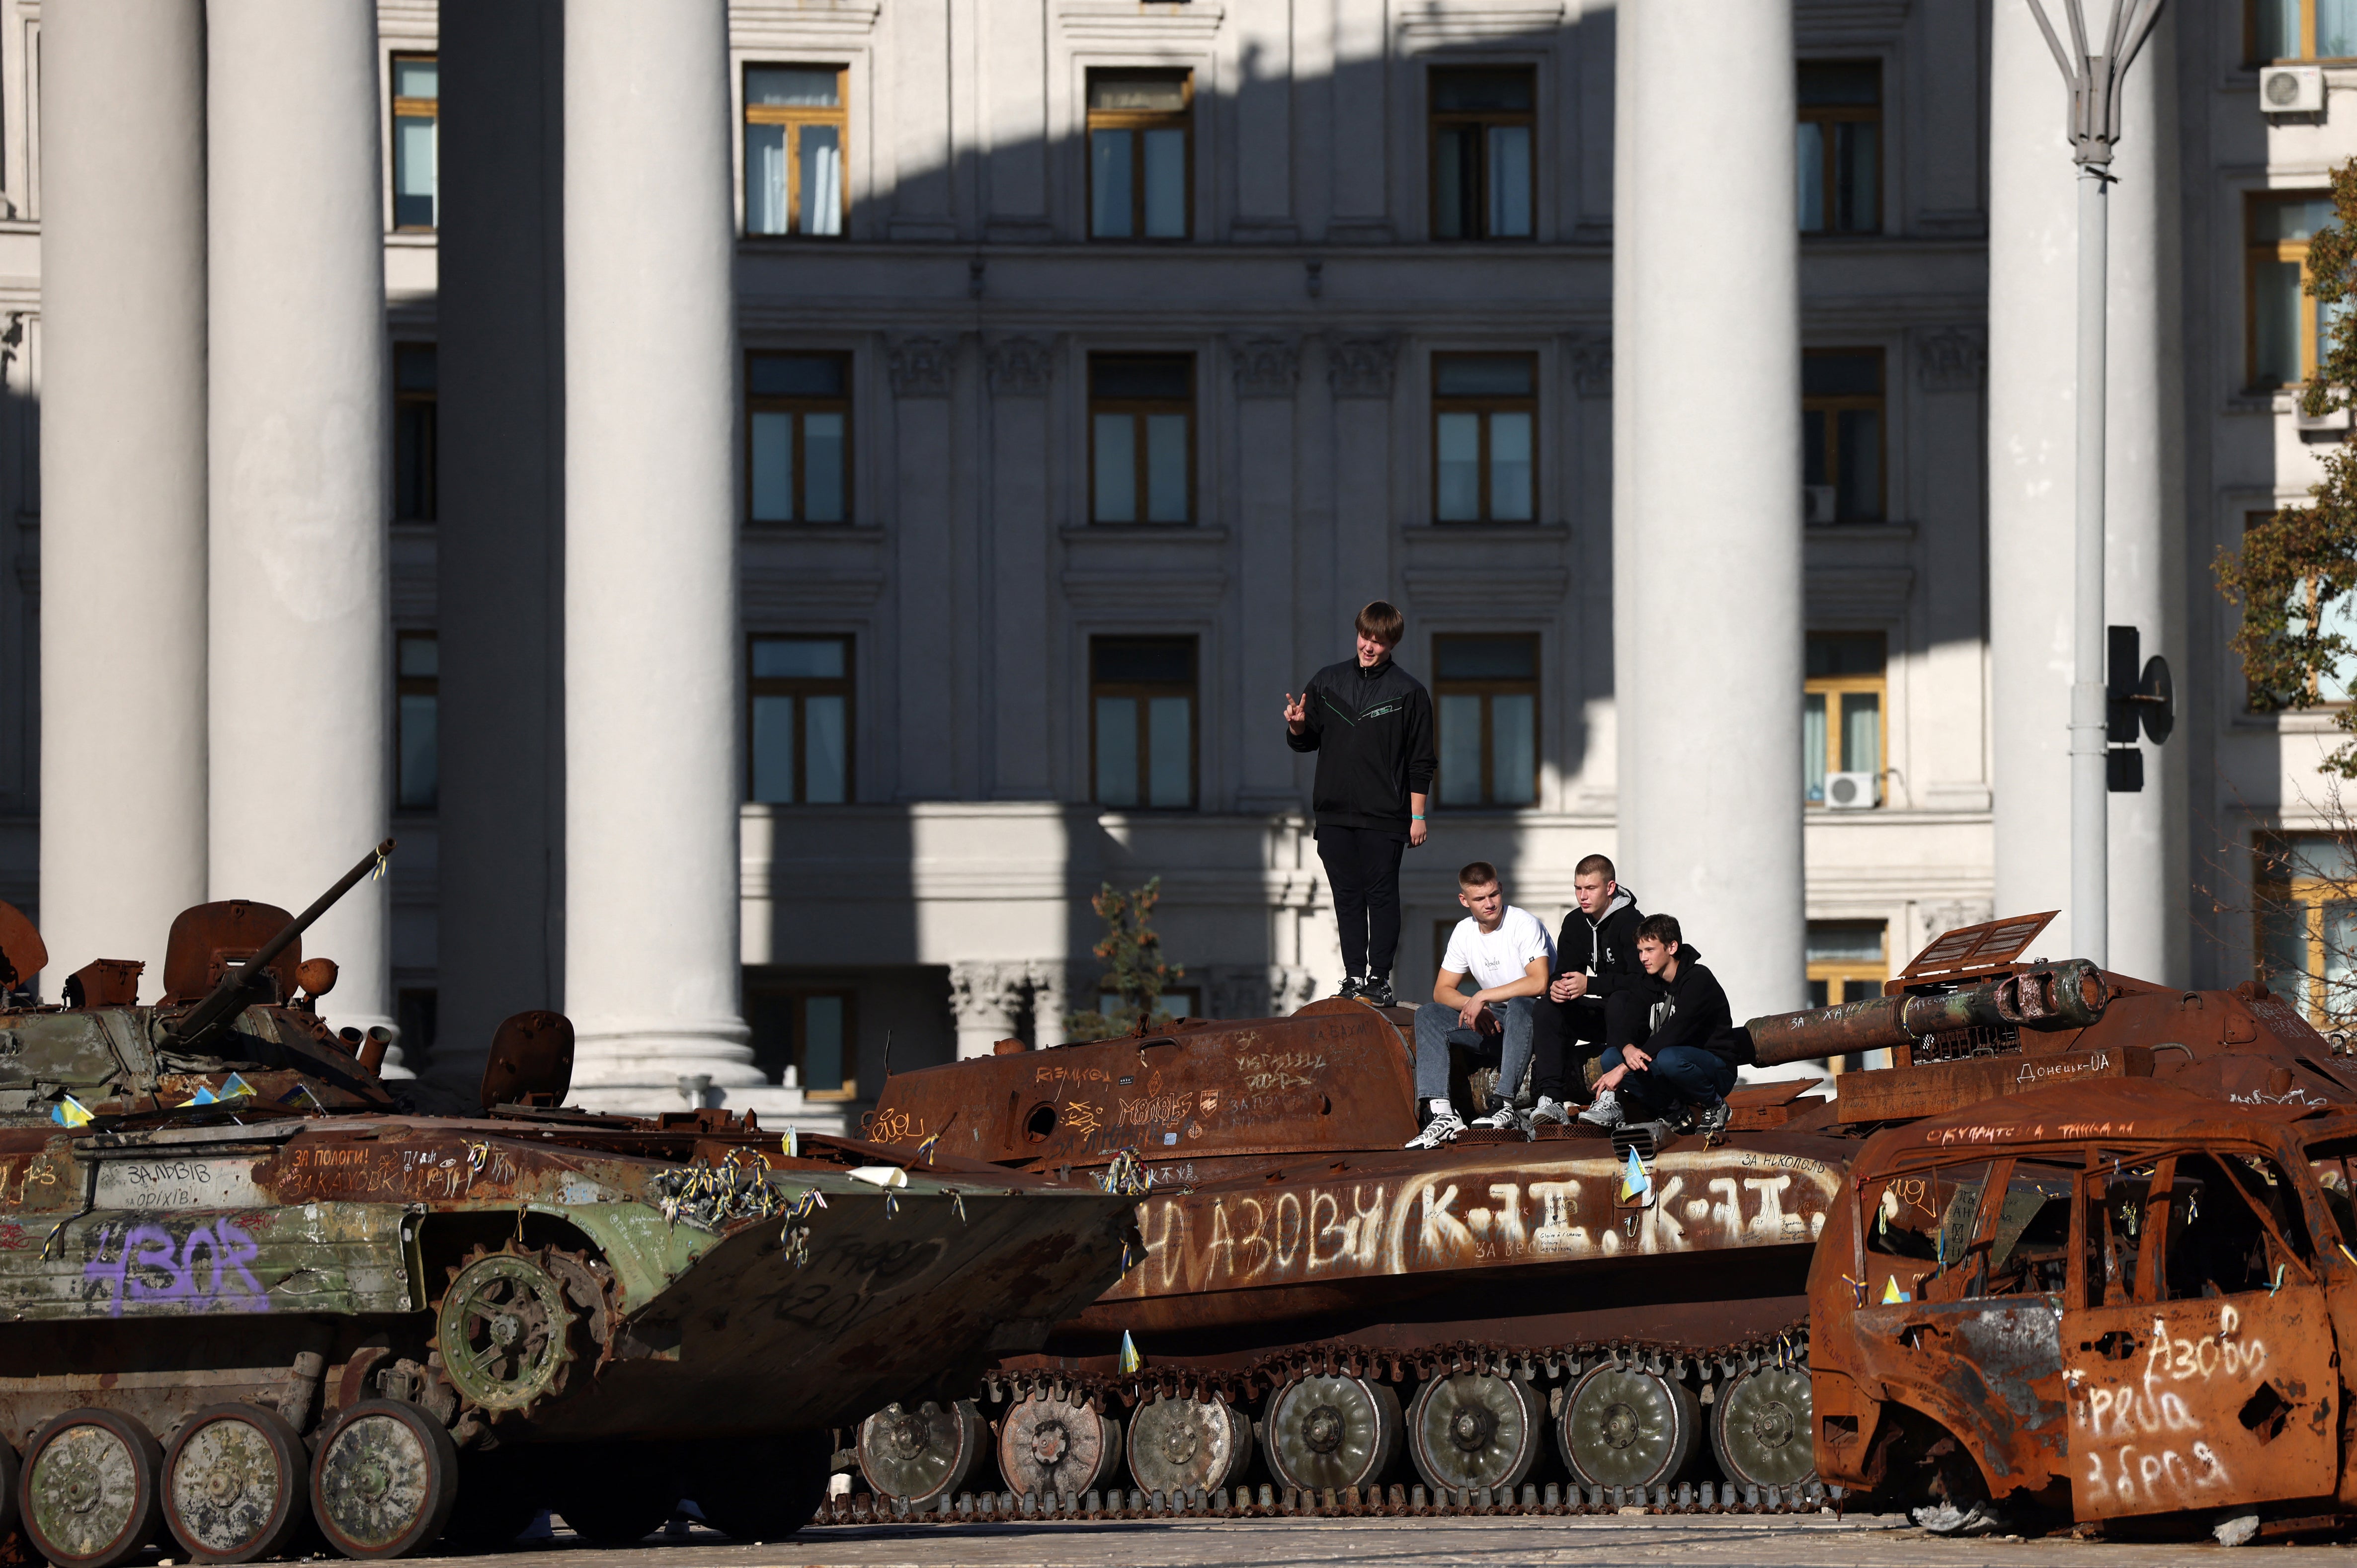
1985	949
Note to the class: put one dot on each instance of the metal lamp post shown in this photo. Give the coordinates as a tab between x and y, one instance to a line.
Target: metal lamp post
2095	76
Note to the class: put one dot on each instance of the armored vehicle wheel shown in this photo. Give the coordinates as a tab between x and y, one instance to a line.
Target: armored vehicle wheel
1333	1432
922	1455
1624	1426
9	1472
504	1331
91	1492
1475	1429
1178	1444
234	1483
384	1480
1760	1429
1048	1448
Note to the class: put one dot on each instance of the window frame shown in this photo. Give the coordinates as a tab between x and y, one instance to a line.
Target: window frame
416	686
1828	115
1137	121
1140	408
798	404
1437	120
1850	979
407	402
800	687
793	117
1141	691
1486	687
798	997
2306	56
2277	886
1485	404
2318	702
1832	405
2256	251
1836	690
410	109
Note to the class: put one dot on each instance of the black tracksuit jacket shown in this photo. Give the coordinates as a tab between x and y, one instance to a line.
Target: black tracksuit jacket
1606	950
1692	1010
1372	730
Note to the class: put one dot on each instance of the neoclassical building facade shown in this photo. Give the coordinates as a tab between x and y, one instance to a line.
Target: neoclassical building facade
775	504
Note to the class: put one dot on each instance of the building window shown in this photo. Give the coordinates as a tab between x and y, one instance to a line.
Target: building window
796	129
2307	896
1142	732
806	1038
798	437
2288	329
1841	435
416	145
2308	606
1849	961
1841	709
799	726
1142	437
417	683
1840	146
1175	1003
1484	430
1484	179
2302	29
1141	154
1485	695
413	430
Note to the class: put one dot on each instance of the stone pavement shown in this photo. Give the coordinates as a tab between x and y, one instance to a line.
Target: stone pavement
1690	1541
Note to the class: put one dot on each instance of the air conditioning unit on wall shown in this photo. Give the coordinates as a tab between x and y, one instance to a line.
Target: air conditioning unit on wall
2291	89
1853	791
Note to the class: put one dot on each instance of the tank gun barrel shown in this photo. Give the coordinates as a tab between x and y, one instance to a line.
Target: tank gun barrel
2068	995
228	998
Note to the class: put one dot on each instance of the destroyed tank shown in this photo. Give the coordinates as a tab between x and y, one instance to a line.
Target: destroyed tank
251	1290
1574	1319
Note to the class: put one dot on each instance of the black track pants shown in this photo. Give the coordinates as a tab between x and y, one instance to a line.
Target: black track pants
1565	1034
1363	867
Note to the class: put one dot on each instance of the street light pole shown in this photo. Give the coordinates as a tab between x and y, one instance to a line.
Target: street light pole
2094	78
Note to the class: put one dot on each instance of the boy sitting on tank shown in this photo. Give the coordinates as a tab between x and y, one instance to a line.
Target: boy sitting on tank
1686	1058
1592	1003
1507	950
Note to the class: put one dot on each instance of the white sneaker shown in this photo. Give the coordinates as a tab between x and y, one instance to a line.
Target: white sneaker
1504	1119
1605	1112
1550	1113
1444	1129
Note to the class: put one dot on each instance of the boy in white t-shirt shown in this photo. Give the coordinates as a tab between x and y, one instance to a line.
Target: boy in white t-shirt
1510	954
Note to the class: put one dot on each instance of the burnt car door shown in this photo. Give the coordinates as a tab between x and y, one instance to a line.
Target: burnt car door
2197	1351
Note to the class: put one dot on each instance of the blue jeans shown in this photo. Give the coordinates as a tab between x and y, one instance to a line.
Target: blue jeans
1681	1075
1436	1030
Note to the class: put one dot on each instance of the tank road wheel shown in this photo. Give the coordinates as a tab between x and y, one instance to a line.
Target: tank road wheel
1475	1429
505	1332
1624	1426
1333	1432
1179	1445
234	1483
90	1493
923	1455
1760	1427
1050	1449
384	1480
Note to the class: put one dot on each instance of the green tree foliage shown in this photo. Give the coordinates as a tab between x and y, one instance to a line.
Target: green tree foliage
2297	567
1135	969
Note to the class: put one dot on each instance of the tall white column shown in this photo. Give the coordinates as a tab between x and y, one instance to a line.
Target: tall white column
123	458
298	639
653	650
2033	260
1707	553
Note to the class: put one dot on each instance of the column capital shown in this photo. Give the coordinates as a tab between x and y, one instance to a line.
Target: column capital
1592	363
1018	366
921	367
1952	359
1266	366
1363	365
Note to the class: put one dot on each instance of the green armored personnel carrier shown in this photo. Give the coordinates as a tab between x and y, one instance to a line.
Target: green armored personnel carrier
248	1286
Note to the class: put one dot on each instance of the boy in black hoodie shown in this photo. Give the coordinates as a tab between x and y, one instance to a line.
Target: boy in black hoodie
1691	1047
1592	1002
1370	722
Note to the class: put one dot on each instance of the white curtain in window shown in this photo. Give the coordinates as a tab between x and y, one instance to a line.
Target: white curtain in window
1811	157
1510	182
773	467
1116	475
1861	732
1165	467
825	755
1166	185
1116	751
1812	748
1460	748
821	151
1510	468
2337	617
2277	308
1170	744
1513	748
1109	193
2340	993
823	459
765	179
2336	28
1456	441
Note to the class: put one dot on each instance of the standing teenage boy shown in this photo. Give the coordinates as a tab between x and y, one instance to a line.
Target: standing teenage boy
1691	1045
1507	951
1370	722
1592	1003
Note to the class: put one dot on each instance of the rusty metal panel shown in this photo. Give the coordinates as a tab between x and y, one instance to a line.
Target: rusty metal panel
173	1261
1940	1088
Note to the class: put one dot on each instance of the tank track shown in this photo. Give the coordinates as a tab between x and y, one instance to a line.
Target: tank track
1787	1346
